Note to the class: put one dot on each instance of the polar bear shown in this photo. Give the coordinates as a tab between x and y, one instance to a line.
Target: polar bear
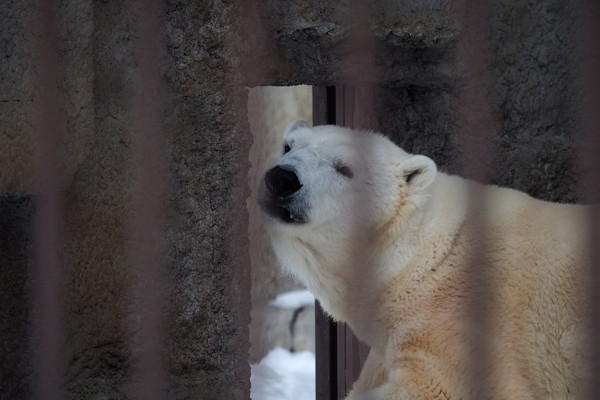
393	247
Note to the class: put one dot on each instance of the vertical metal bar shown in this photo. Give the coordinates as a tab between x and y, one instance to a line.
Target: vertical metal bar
343	340
474	116
350	359
47	271
474	125
326	355
590	14
350	112
149	196
324	106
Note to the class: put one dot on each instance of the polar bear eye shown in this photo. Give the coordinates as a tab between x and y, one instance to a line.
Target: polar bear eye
344	170
286	148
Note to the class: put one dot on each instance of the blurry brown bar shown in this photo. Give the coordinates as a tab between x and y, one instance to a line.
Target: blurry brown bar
47	270
148	195
472	142
355	108
339	355
326	349
590	14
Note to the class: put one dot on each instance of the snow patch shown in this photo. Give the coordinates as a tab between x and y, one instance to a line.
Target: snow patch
294	299
283	375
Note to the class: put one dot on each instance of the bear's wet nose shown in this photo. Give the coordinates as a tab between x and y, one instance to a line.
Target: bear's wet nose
282	182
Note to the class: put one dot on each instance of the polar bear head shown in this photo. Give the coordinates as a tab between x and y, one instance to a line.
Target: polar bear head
331	178
334	199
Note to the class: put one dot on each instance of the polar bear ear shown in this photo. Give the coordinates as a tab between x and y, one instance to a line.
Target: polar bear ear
295	125
418	172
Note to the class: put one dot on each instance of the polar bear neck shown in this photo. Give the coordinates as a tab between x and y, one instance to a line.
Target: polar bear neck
345	272
346	276
317	266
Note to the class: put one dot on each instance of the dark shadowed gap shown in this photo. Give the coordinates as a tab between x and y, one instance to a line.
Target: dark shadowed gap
148	192
47	271
326	355
590	19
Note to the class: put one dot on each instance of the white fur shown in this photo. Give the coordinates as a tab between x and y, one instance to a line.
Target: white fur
388	250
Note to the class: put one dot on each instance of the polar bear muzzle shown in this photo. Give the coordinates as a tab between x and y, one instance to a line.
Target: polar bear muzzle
282	183
278	200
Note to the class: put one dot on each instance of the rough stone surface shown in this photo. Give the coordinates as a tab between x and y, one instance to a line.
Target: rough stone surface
19	80
210	140
535	97
206	341
97	204
535	139
308	41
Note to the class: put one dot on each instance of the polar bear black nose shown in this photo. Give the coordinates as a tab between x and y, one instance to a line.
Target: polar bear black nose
282	182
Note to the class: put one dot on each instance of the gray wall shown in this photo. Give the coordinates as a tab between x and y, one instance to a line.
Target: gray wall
213	51
206	338
533	102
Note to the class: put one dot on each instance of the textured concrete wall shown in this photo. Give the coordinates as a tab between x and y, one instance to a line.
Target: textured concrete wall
533	101
403	52
311	41
19	82
206	336
208	243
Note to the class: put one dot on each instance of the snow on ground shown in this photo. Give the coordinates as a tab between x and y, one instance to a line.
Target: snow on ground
283	375
294	299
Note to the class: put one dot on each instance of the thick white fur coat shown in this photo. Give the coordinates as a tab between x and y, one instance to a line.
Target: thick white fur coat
425	267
